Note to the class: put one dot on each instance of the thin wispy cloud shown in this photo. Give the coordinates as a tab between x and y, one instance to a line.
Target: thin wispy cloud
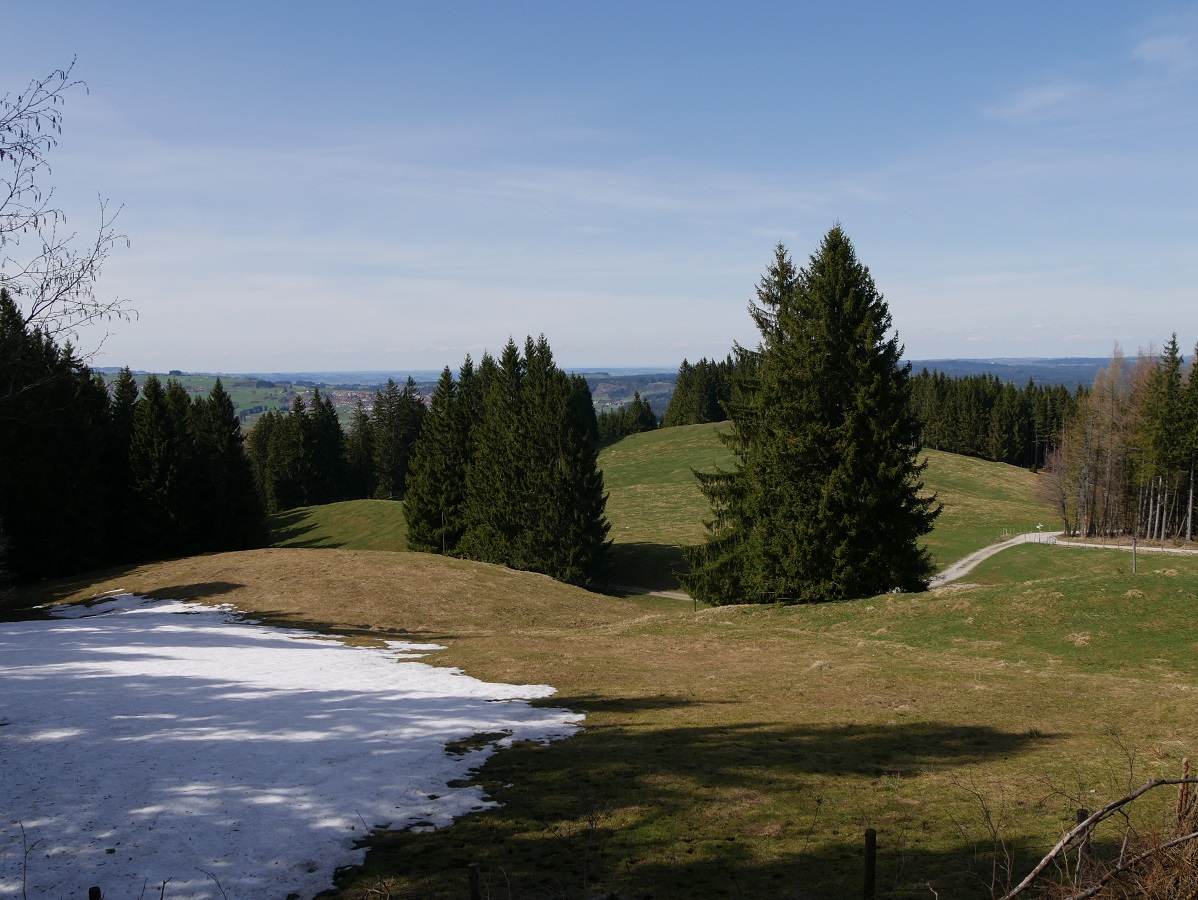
1171	43
1041	102
1174	51
398	208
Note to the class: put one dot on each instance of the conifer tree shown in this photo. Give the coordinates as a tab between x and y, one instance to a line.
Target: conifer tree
640	416
681	401
153	455
124	399
436	485
1164	440
397	418
411	420
288	457
53	477
580	526
534	492
258	449
497	479
231	513
825	502
184	501
359	454
384	415
324	442
123	502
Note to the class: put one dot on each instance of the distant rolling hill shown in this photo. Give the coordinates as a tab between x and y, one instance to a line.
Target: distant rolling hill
1070	371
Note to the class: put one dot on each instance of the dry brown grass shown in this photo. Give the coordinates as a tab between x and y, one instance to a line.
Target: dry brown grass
733	751
362	591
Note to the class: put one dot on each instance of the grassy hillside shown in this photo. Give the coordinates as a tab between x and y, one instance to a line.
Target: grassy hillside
741	752
982	501
350	525
654	503
656	509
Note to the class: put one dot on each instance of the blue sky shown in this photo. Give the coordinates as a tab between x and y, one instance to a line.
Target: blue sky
390	186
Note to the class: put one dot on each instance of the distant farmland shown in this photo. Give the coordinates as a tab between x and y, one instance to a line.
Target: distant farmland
255	394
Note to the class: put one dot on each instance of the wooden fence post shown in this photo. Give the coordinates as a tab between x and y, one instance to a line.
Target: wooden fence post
871	863
476	887
1084	861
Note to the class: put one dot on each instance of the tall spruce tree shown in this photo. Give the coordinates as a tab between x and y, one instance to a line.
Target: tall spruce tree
187	486
289	461
497	479
123	499
359	454
436	485
231	514
397	416
826	500
258	448
153	455
325	445
580	527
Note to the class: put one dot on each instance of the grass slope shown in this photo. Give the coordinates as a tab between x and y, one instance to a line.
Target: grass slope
742	751
982	501
656	509
654	504
350	524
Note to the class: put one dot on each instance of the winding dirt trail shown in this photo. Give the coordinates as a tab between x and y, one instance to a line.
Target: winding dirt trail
966	565
963	566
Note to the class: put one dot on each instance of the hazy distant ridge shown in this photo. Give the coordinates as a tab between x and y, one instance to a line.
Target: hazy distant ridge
1068	370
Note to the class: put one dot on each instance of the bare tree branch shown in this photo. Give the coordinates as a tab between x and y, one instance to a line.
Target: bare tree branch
48	271
1083	829
1130	864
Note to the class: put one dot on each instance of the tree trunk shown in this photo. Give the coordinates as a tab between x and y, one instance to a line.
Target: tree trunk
1164	515
1150	520
1190	507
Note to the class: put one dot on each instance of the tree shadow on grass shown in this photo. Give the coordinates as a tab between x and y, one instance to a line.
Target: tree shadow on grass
364	630
201	590
30	599
646	565
595	703
704	811
287	529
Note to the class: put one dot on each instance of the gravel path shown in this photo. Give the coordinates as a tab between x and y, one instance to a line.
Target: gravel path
964	566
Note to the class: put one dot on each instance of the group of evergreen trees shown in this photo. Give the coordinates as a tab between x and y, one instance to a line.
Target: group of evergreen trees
979	415
505	470
703	390
88	480
825	501
1126	460
303	457
634	418
975	415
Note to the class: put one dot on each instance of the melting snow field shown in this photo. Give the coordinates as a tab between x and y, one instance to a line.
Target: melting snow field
142	741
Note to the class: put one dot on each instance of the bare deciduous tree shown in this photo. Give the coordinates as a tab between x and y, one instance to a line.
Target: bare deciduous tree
47	268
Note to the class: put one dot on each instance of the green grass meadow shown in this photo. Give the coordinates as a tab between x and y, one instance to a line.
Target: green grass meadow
350	525
742	751
656	509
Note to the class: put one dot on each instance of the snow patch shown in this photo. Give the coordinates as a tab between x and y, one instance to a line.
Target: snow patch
148	740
